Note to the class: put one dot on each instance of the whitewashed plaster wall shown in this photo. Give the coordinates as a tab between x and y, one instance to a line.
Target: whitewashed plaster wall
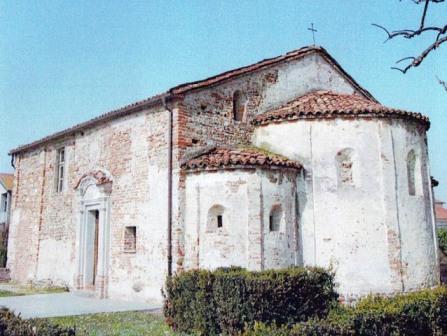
296	78
377	237
281	248
246	197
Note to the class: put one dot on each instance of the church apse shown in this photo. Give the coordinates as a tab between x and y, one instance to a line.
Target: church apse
229	206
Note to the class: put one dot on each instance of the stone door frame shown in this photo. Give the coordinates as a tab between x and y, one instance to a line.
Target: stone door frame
98	200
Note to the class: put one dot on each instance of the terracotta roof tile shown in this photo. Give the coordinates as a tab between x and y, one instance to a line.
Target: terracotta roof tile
291	55
7	180
327	104
230	158
441	212
183	88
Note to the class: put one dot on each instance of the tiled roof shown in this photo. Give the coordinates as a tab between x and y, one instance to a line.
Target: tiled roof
327	104
441	212
231	158
183	88
292	55
7	180
131	108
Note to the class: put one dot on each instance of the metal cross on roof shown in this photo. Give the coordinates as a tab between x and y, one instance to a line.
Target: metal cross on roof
313	30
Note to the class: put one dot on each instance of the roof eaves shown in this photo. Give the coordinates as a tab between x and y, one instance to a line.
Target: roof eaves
134	107
186	87
292	55
7	185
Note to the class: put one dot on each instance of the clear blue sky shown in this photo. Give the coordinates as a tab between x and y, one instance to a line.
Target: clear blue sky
63	62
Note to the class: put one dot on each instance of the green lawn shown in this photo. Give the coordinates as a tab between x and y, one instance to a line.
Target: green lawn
114	324
31	290
4	293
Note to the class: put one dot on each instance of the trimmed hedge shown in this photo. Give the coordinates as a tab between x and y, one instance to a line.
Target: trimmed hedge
231	299
442	239
14	325
419	313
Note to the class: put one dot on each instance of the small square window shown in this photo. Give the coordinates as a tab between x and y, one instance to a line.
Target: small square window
130	239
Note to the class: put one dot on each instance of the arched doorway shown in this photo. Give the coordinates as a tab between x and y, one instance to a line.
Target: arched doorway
93	234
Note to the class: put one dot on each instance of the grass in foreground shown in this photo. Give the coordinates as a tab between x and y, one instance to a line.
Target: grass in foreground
31	290
5	293
116	324
41	290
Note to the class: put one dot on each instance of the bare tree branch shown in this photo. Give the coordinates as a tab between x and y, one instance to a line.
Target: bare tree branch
418	60
441	36
443	83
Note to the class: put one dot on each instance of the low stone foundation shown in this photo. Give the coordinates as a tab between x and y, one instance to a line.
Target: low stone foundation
4	274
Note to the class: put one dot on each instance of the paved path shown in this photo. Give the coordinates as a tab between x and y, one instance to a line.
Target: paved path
65	304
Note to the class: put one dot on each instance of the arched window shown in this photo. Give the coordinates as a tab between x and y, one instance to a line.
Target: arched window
345	164
215	218
411	169
239	105
275	218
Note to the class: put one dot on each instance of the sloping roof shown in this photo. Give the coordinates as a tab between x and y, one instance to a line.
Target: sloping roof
7	181
292	55
440	211
231	158
327	104
131	108
183	88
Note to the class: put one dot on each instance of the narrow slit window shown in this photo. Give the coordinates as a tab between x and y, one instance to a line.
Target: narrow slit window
239	104
411	167
130	239
60	166
215	218
4	203
345	167
275	219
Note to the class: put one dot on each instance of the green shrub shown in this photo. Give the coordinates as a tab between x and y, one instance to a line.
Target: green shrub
189	303
442	239
13	325
228	300
312	327
419	313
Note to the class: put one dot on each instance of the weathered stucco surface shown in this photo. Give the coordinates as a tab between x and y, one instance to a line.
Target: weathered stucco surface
246	198
44	222
376	236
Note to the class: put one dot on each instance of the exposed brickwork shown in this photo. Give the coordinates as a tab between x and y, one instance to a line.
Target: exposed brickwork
207	116
127	149
127	152
130	239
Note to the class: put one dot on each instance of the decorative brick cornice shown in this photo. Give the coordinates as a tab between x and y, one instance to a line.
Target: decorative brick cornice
327	104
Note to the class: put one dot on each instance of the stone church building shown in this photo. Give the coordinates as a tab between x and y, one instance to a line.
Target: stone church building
288	161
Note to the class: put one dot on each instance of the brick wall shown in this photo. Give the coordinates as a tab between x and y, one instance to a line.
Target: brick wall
43	229
134	149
